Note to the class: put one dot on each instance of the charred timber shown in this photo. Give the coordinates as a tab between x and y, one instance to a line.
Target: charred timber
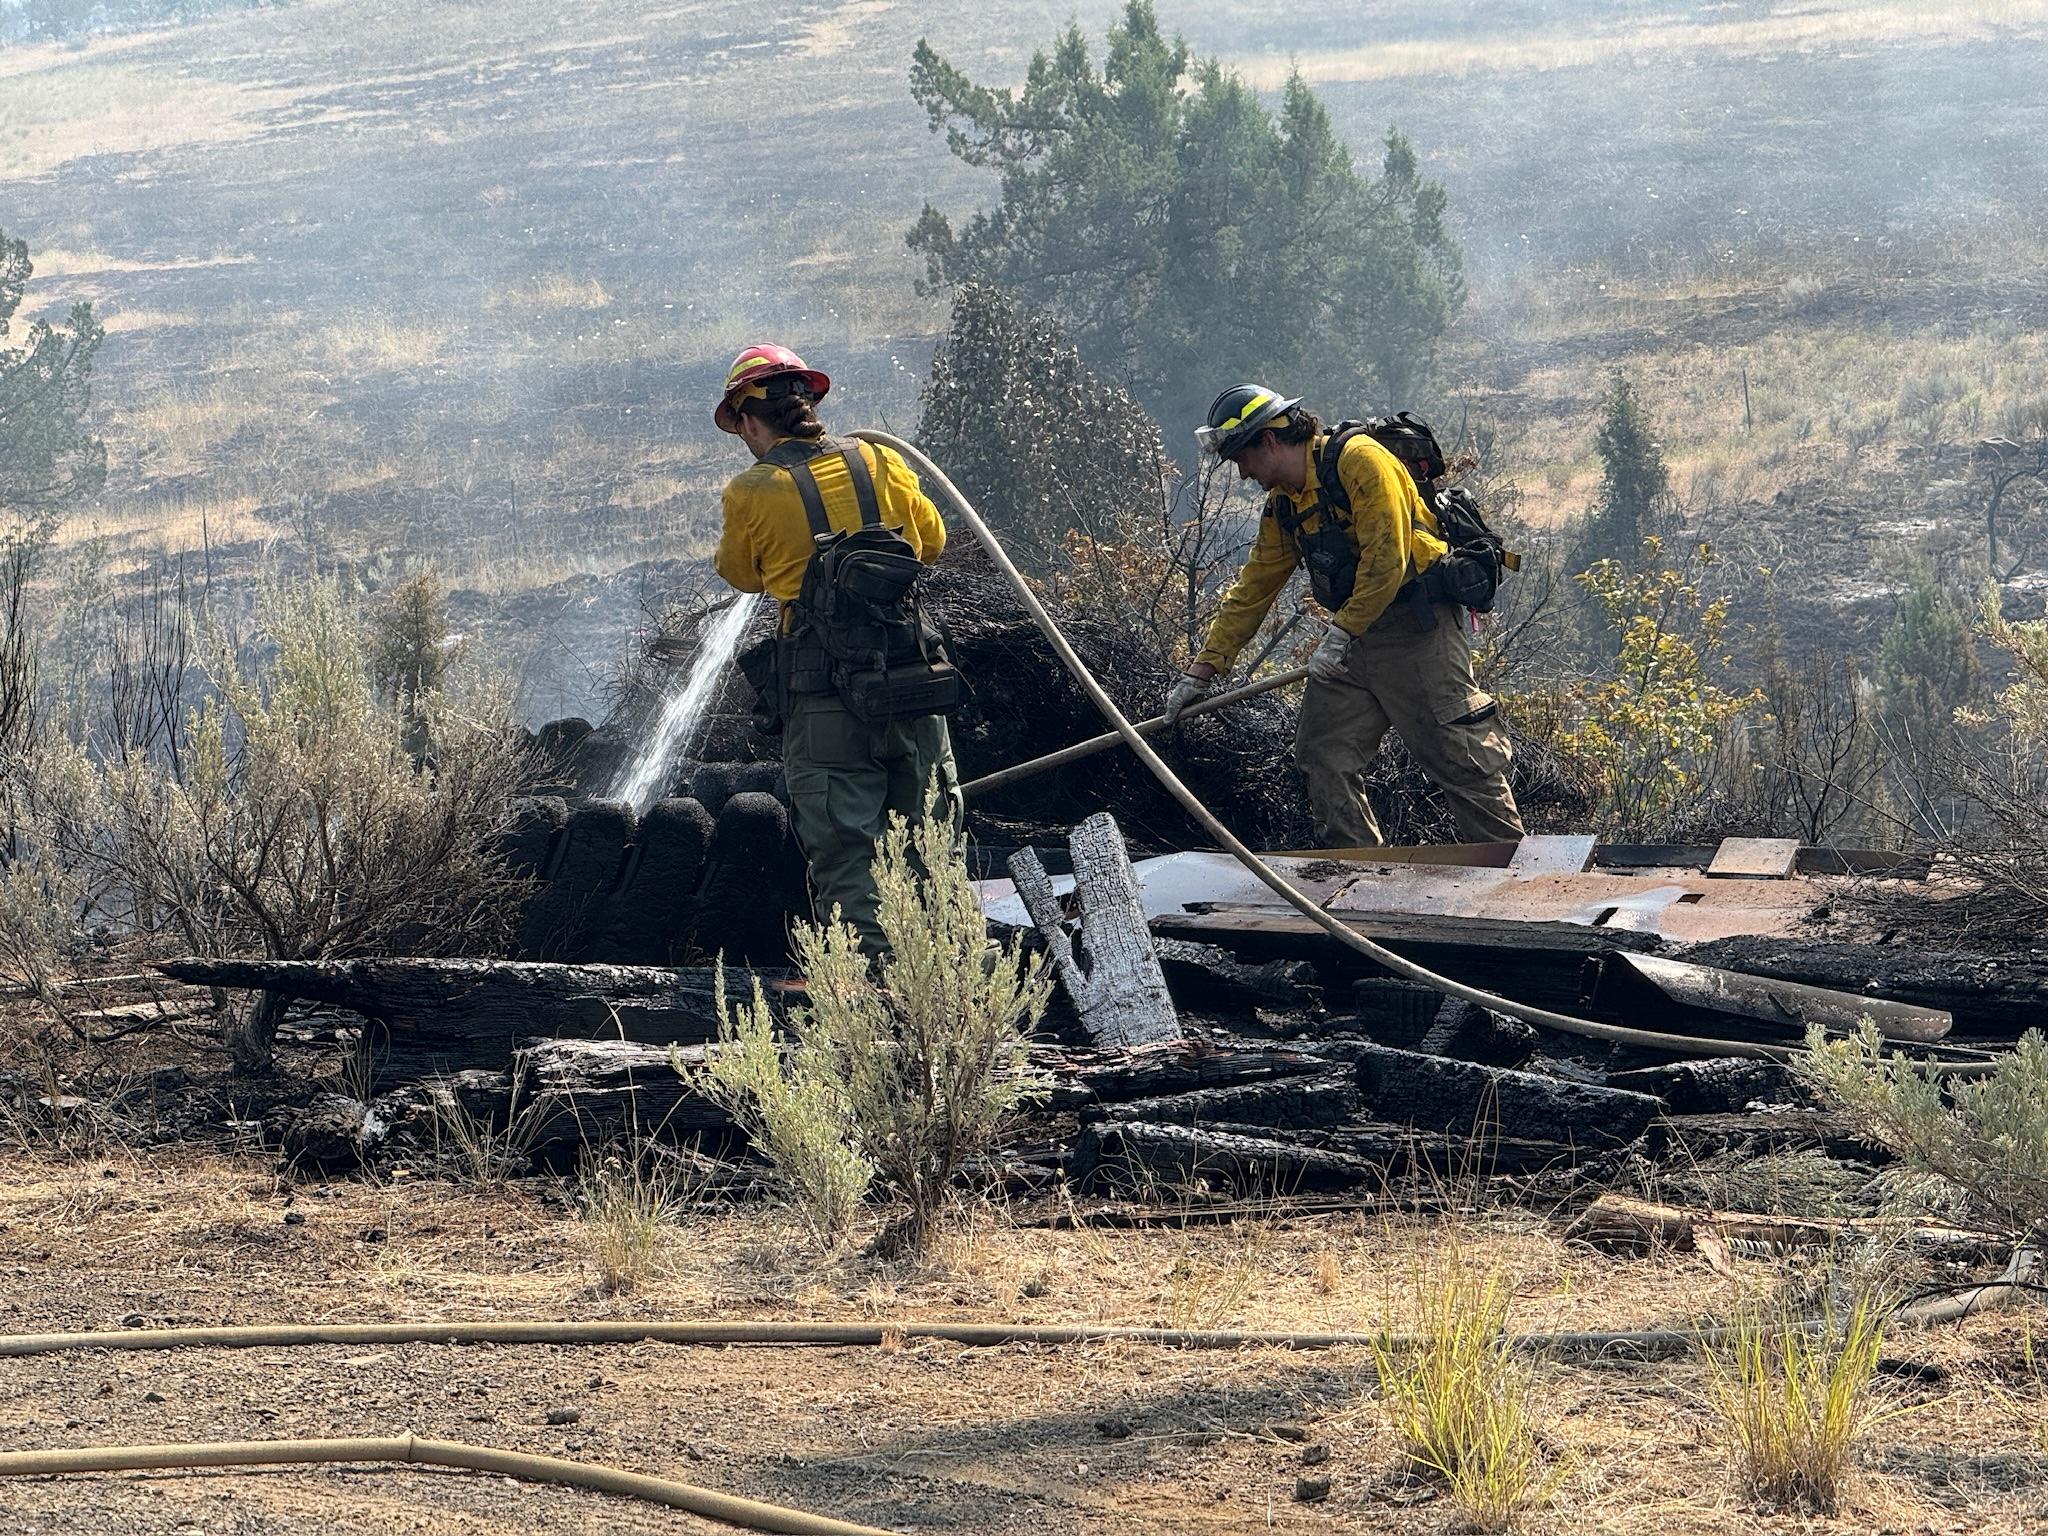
1992	997
1148	1158
1531	962
486	1006
1469	1099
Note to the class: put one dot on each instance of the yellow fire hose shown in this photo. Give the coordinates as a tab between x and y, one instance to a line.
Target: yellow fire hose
748	1514
752	1514
1687	1045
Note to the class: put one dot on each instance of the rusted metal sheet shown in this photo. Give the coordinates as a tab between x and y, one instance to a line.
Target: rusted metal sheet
1645	987
1571	854
1755	858
1679	900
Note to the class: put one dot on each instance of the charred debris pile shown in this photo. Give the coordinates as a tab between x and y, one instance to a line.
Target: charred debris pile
712	867
1208	1042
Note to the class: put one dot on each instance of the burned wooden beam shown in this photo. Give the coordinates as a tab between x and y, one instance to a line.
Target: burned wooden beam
1147	1157
1531	962
1210	976
1465	1098
1109	1077
1677	995
1288	1103
489	1005
1990	997
1120	993
1141	1156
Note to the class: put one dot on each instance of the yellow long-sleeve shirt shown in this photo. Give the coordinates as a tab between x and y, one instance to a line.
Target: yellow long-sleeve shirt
1394	533
766	541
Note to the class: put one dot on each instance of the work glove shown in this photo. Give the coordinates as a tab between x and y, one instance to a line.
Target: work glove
1185	692
1327	660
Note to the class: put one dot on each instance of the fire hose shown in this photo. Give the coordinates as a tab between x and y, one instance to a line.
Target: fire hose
751	1514
1279	884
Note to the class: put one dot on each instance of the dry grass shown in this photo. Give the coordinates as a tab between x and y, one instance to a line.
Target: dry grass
1459	1401
1796	1402
93	105
549	292
629	1200
1820	28
174	1234
371	344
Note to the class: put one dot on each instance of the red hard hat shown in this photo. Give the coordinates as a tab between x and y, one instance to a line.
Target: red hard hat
755	366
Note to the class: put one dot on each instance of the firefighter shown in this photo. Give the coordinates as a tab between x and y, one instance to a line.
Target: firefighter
846	774
1394	652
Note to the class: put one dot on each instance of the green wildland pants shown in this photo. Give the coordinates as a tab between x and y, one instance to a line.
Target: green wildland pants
1419	684
844	779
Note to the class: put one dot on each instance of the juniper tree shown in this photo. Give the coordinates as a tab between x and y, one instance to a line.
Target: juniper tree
1184	233
49	456
1036	440
1633	480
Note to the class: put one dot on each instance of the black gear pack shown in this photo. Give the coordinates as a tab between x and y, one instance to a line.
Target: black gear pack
859	628
1469	575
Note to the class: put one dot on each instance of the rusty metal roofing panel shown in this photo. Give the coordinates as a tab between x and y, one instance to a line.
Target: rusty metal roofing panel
1755	858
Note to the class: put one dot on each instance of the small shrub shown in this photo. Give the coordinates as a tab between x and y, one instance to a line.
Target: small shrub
903	1067
1795	1401
1459	1399
1985	1136
291	819
1649	730
792	1104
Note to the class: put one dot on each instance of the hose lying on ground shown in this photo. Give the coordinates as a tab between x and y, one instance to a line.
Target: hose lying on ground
1652	1341
1301	901
749	1514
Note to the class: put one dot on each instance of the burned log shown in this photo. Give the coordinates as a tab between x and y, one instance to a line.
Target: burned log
1469	1032
1992	997
1288	1103
1463	1098
1530	962
1150	1158
1121	994
1209	976
1160	1071
1154	1159
485	1006
1714	1084
1679	995
1622	1224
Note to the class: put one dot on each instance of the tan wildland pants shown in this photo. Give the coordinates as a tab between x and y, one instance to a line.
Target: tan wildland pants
1420	684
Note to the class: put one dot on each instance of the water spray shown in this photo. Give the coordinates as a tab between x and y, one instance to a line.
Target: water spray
641	777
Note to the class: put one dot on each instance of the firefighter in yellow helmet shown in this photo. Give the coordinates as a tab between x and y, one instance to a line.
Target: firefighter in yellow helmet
834	531
1394	653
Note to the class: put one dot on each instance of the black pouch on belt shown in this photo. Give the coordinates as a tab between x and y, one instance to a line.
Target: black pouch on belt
761	665
905	691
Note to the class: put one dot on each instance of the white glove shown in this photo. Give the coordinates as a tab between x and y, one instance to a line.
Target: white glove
1327	660
1185	692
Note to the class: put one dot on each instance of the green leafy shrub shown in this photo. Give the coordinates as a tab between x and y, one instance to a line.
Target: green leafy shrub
1647	731
901	1068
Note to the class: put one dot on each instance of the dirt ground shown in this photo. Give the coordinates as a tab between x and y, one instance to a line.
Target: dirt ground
924	1437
